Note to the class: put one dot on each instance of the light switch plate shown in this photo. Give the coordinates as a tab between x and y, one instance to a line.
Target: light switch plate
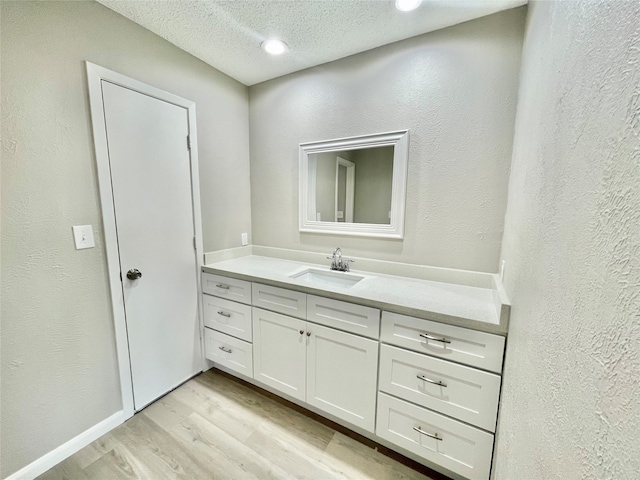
83	236
244	239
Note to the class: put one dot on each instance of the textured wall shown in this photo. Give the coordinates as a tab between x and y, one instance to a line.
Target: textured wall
59	373
455	90
571	395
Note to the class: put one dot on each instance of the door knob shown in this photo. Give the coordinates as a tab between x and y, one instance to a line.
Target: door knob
134	274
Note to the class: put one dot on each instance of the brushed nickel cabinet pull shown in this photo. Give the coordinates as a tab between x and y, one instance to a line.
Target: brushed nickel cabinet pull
428	336
419	430
435	382
225	350
224	314
222	286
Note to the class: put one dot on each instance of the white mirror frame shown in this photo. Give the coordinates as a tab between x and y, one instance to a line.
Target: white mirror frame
395	229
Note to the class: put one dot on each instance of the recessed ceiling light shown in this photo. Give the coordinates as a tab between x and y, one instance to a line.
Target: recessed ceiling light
274	46
407	5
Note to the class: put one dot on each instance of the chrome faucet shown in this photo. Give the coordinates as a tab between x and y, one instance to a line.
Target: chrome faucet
337	263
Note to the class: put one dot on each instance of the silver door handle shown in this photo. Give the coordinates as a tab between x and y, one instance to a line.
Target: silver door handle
435	382
134	274
419	430
428	336
225	350
224	314
222	286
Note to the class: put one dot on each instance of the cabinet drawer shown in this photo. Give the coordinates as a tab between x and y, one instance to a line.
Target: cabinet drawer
345	316
460	448
462	392
280	300
478	349
226	287
228	317
229	351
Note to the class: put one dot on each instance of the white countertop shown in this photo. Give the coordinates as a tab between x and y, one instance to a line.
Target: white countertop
465	306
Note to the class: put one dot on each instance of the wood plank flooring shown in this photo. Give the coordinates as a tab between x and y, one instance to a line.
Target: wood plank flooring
216	427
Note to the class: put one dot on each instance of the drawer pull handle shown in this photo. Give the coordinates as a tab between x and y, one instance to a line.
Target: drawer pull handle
222	286
301	332
308	334
419	430
428	336
224	349
224	314
435	382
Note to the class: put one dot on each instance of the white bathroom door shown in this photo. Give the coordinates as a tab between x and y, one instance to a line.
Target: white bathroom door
152	197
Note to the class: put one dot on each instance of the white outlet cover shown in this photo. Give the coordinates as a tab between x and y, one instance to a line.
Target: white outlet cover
83	236
244	239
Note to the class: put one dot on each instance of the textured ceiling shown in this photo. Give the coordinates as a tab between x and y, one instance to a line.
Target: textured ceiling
227	34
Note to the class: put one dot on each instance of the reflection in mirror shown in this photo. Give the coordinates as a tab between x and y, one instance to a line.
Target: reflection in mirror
354	186
345	189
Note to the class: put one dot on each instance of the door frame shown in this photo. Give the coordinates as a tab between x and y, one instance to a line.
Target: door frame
95	75
350	182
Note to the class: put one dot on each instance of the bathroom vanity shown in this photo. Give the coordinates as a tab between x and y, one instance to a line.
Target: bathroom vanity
412	364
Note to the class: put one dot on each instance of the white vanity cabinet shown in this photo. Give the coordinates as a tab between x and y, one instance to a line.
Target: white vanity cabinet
227	320
331	370
436	398
428	389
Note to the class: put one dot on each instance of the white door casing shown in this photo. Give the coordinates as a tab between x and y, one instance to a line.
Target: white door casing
350	188
142	127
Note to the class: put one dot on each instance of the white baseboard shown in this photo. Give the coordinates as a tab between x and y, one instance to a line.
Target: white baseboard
51	459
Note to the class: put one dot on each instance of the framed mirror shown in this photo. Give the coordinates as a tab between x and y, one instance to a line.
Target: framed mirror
355	185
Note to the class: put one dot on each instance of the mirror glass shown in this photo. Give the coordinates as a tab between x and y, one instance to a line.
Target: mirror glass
354	186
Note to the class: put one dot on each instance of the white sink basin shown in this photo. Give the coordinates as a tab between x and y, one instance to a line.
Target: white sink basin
327	278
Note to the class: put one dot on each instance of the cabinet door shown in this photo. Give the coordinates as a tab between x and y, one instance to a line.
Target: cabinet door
341	375
279	347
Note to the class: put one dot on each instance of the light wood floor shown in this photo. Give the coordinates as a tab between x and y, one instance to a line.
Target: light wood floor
215	427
